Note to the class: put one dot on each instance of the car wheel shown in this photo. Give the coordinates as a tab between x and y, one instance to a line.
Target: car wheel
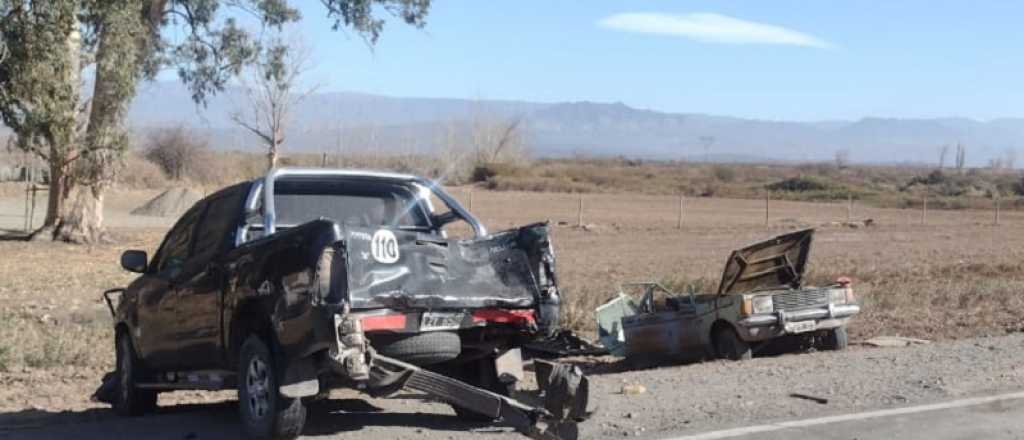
428	348
835	339
728	345
482	374
265	413
130	400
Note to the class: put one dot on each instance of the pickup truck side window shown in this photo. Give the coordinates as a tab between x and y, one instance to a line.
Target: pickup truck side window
175	249
218	225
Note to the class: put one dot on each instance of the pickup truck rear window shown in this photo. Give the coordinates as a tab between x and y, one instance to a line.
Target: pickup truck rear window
352	201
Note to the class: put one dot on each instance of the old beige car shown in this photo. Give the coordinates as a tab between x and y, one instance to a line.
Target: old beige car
761	298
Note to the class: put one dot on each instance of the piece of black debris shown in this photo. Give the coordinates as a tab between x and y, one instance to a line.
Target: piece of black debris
820	400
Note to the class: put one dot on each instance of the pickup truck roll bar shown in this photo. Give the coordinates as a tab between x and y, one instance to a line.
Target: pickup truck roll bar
265	187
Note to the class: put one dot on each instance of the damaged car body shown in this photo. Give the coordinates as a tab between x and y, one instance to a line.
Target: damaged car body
310	279
761	299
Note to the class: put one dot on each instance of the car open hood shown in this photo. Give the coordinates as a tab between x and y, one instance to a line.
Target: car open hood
773	263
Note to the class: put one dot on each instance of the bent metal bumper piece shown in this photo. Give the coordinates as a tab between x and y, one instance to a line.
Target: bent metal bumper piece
780	317
566	392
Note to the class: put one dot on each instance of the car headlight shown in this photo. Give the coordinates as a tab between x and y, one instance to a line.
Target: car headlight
837	296
763	304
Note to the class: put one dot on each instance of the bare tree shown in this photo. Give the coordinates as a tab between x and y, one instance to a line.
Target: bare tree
943	152
175	151
842	158
706	142
1011	159
272	89
498	140
961	157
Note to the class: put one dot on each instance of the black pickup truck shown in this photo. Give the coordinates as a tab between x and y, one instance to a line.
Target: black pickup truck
311	279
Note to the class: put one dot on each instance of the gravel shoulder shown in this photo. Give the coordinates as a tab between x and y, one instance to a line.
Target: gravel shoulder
679	399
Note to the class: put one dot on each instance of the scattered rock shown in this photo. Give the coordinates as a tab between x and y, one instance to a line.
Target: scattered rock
633	389
894	341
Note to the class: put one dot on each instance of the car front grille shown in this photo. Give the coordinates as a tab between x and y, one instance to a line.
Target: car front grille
800	299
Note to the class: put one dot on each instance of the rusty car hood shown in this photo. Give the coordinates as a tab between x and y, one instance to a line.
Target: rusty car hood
777	262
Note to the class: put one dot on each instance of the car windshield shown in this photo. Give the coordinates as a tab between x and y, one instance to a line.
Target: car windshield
352	201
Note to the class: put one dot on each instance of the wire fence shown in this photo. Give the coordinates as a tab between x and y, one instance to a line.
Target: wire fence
680	212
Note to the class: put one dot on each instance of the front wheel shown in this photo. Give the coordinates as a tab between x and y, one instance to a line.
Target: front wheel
835	339
265	413
728	345
130	400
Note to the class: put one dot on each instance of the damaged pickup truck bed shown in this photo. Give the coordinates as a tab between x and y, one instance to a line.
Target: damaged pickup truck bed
310	279
761	300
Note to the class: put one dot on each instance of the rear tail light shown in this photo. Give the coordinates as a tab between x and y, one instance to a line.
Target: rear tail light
519	317
383	322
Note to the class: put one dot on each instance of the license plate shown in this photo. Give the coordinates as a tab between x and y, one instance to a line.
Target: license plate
441	321
800	327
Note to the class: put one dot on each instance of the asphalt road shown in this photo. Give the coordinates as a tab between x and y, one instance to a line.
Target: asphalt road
987	417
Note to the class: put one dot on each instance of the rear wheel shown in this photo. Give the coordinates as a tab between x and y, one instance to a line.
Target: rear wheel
835	339
265	413
728	345
130	400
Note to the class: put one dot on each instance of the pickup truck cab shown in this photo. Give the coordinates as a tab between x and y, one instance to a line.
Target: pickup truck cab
310	279
761	299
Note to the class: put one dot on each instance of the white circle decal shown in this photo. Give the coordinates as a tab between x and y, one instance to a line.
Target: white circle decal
384	247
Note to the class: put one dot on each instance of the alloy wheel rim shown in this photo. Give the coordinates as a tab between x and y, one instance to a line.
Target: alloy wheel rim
257	382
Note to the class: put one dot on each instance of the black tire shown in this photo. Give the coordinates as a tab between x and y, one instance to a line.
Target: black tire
728	345
421	349
482	374
835	339
130	400
265	413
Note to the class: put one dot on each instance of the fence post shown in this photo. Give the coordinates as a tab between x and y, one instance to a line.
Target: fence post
924	209
679	221
32	212
767	198
579	213
997	211
27	192
849	208
471	199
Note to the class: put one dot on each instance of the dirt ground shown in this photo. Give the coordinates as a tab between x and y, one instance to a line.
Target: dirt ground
957	277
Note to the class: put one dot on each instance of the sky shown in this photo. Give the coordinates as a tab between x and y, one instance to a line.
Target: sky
779	60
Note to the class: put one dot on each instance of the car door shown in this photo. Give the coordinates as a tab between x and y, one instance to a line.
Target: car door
157	317
201	289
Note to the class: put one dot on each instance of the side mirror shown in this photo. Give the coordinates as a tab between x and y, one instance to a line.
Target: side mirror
134	261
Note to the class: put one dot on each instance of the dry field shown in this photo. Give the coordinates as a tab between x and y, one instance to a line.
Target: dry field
957	276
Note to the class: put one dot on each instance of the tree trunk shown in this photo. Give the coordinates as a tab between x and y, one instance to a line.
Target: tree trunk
271	158
56	195
123	38
83	222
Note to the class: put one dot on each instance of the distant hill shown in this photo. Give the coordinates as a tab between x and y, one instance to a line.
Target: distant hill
342	121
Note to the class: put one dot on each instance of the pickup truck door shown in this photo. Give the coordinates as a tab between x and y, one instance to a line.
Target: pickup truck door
158	299
203	282
154	330
198	316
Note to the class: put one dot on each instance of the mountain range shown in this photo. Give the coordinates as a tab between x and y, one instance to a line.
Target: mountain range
338	122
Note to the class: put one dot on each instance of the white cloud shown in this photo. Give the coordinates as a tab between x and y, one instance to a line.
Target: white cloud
710	28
